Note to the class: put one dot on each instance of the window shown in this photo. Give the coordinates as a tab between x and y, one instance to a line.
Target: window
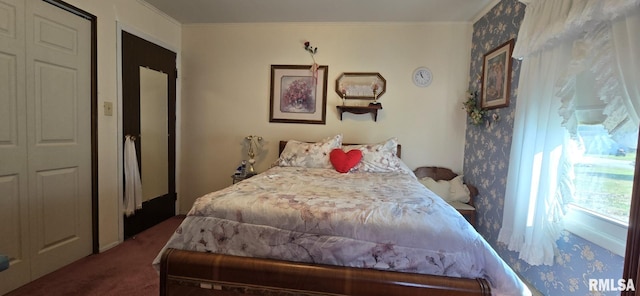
603	171
579	61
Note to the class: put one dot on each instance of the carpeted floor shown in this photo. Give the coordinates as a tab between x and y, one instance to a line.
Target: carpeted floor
123	270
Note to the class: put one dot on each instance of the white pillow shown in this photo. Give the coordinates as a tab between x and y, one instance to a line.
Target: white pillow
451	191
458	190
377	158
440	188
309	155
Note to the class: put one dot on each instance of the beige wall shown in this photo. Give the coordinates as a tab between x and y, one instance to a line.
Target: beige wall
226	84
141	18
225	92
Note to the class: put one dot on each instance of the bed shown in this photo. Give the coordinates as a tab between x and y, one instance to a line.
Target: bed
303	228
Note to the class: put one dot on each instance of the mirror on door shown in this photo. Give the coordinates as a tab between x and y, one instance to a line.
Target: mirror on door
154	131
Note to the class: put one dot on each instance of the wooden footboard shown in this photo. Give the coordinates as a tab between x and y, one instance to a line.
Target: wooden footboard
197	273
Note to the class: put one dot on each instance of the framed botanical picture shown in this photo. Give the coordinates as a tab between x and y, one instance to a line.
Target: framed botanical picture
496	77
298	94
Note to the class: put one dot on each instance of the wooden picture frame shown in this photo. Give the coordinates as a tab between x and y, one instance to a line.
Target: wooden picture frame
360	85
298	95
496	77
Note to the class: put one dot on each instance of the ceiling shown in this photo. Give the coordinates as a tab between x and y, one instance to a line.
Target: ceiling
257	11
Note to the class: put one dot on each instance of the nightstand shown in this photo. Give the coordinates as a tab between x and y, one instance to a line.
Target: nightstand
238	178
467	210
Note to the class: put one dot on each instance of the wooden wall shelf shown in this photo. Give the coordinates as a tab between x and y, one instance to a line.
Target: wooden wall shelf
372	108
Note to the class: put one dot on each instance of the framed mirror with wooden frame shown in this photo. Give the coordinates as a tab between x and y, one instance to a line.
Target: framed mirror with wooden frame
361	85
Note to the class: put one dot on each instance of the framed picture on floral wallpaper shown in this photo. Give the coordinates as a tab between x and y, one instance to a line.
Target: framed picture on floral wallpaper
496	77
298	94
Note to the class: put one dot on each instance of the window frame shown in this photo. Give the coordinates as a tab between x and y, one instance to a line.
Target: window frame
597	229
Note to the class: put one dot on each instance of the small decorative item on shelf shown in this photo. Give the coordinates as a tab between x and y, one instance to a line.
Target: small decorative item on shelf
475	113
374	88
343	91
254	144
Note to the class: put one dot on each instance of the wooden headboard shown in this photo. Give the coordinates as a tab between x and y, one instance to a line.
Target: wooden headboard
284	143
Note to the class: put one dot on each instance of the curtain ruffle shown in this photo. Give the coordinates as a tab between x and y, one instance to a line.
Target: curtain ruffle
594	53
548	22
586	23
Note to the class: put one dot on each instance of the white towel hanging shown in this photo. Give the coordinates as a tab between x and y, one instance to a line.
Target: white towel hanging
133	186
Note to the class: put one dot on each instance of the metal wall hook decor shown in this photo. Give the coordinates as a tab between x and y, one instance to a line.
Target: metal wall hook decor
495	117
133	138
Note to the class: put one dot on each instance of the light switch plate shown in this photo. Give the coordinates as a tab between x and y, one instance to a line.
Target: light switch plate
108	109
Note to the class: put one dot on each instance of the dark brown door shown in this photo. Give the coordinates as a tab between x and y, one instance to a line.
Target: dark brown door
140	56
631	271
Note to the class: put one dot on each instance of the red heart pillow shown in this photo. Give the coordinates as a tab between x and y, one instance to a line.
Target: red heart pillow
342	161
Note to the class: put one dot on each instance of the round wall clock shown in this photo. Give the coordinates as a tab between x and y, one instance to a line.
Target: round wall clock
422	77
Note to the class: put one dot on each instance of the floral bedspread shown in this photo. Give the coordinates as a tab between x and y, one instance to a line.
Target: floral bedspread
386	221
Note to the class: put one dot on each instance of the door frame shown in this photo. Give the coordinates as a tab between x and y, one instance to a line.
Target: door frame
120	27
94	114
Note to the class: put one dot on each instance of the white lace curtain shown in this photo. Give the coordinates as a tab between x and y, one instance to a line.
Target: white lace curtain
581	64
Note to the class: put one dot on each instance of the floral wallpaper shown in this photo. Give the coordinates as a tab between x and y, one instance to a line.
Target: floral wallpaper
487	148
